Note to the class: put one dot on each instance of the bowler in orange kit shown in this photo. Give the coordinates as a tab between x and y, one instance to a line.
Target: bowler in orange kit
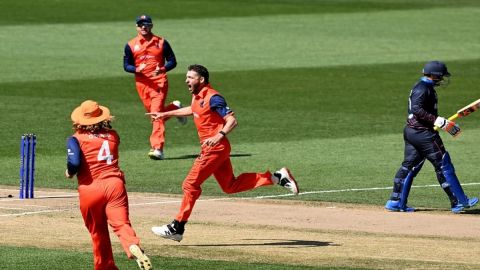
214	120
150	57
92	155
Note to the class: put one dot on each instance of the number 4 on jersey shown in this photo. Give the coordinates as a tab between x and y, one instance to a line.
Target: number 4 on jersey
104	153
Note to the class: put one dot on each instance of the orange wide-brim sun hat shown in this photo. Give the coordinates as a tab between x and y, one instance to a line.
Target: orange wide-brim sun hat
90	113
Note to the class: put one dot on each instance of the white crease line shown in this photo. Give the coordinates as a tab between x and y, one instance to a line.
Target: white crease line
179	201
35	212
290	195
20	200
27	205
368	189
54	196
11	208
61	196
243	198
49	194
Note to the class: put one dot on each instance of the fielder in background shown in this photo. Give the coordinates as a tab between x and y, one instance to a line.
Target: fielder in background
214	120
92	155
423	142
149	57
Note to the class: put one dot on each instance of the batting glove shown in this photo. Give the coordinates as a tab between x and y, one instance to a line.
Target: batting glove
448	126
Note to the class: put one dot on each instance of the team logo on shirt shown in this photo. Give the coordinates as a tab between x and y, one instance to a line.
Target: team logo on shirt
99	135
136	48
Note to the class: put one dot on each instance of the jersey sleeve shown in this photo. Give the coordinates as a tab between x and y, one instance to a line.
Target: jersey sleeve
128	60
417	99
219	105
73	155
169	56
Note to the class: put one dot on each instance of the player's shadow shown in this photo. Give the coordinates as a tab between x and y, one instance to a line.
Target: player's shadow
427	210
474	211
467	211
183	157
196	155
273	242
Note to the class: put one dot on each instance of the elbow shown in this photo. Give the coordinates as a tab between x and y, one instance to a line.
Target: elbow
72	171
129	68
172	64
73	167
230	122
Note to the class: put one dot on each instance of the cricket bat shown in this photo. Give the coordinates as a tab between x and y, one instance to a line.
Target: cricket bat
470	108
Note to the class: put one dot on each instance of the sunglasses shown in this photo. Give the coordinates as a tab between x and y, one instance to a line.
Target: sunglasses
144	25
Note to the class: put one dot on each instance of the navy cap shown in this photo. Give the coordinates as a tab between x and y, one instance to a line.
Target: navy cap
144	19
436	68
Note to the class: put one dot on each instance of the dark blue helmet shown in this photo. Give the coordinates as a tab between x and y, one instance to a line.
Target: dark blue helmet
436	69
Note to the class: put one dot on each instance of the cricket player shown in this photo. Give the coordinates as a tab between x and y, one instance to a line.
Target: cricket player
92	155
423	142
214	120
150	57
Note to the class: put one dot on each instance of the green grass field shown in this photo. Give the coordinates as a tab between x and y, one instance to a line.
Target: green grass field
319	86
56	259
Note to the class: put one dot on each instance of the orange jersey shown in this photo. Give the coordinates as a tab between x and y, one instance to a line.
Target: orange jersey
207	121
99	155
149	53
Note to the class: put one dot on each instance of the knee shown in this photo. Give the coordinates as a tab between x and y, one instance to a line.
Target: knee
402	172
230	186
191	188
120	225
436	160
227	190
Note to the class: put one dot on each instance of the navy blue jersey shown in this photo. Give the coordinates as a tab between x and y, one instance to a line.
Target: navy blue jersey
422	105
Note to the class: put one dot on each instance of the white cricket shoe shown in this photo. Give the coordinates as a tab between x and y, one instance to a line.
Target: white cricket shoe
156	154
168	232
286	180
181	119
142	259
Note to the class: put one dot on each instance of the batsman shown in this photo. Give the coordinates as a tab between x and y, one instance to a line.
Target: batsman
422	142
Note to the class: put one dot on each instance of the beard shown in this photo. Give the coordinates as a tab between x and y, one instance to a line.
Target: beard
195	88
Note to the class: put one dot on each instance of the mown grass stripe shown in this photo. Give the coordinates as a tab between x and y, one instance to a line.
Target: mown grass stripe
32	12
32	258
227	44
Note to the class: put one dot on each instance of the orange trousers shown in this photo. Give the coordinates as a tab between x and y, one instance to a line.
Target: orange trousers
153	95
103	202
216	161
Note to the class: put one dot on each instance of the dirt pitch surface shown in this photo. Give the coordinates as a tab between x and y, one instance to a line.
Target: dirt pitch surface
260	230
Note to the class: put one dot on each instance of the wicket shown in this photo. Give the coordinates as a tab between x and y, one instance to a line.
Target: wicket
28	143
